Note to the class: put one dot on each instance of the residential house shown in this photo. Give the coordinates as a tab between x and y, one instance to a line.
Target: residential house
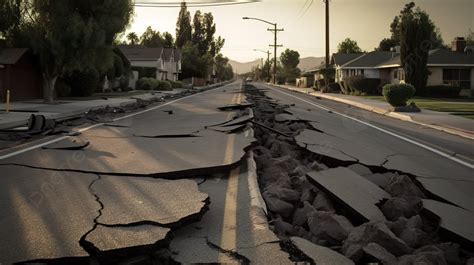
306	79
447	67
20	73
339	59
167	61
366	64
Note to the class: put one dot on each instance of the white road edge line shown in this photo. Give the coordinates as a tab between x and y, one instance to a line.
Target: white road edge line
100	124
382	130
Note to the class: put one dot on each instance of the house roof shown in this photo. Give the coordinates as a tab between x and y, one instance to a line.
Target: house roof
11	55
369	60
141	53
448	57
167	52
343	58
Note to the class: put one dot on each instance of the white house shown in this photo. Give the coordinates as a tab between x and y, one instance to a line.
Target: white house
167	61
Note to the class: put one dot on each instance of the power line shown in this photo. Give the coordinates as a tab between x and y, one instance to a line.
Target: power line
200	4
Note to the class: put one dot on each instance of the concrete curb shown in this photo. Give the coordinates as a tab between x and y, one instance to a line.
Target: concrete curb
395	115
255	194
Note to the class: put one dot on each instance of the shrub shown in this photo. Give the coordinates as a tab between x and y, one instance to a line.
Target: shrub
176	84
124	81
443	91
398	94
362	85
146	83
163	85
331	88
83	83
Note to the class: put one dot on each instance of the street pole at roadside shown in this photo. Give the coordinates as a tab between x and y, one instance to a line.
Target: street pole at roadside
268	59
275	31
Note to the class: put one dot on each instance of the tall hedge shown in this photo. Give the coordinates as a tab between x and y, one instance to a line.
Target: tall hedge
361	85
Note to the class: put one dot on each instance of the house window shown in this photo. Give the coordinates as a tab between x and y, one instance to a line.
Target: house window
395	74
457	77
362	72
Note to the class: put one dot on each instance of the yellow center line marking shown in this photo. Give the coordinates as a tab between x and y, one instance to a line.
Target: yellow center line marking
229	224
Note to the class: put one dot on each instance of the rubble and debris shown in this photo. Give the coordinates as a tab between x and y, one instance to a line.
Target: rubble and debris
373	232
379	253
330	227
352	190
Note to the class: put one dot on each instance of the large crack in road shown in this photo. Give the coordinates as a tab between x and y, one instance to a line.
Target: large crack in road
390	225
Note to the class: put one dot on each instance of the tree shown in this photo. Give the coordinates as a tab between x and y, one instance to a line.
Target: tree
168	40
132	38
199	35
10	16
84	46
290	60
470	37
224	70
348	46
183	26
416	31
387	44
193	63
151	38
395	30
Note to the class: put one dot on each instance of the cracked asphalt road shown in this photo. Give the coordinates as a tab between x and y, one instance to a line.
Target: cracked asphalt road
177	178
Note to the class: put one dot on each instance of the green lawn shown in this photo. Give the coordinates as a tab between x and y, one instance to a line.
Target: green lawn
457	106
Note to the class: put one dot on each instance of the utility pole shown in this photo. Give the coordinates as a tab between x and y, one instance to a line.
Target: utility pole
275	45
268	61
327	32
275	31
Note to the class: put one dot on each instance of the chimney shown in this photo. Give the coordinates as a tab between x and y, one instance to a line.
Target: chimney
458	44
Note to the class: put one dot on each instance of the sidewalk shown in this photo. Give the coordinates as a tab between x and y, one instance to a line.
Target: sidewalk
433	119
63	109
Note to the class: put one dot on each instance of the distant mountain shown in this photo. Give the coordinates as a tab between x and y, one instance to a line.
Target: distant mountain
308	63
305	64
242	68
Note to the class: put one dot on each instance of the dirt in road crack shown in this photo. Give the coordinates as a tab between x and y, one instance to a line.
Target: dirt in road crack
298	207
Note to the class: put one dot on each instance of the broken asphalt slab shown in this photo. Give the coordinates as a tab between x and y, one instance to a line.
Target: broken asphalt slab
454	221
129	200
49	214
319	254
352	190
109	239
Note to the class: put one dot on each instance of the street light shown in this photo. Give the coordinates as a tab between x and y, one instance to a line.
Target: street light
268	58
275	31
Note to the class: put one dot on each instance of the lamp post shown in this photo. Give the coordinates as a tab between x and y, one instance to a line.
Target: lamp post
275	45
268	59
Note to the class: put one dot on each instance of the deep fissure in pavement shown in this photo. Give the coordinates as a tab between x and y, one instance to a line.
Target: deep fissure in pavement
306	209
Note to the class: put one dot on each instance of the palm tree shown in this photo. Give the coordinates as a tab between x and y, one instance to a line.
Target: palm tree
132	38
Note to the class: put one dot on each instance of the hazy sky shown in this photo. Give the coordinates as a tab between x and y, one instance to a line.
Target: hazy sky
366	21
